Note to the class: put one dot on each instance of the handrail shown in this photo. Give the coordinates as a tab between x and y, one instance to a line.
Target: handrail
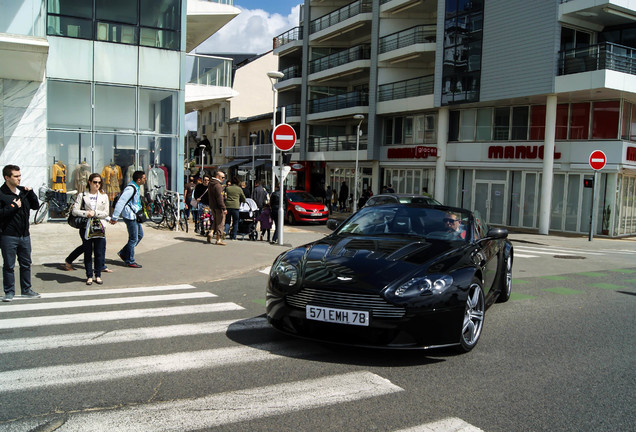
347	100
359	52
605	55
410	36
339	15
291	35
407	88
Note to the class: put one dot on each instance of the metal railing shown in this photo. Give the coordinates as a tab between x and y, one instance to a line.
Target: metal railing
411	36
339	15
341	101
245	151
360	52
405	89
227	2
335	143
208	70
291	72
596	57
292	110
289	36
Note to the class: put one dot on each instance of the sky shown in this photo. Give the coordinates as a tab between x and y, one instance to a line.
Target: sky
253	30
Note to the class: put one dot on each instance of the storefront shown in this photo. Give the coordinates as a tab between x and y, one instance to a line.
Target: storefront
408	169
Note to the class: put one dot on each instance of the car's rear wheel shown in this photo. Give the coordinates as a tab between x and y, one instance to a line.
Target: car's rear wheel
506	282
473	316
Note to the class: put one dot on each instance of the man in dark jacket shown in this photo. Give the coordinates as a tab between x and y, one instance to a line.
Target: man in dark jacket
217	205
260	194
274	201
16	203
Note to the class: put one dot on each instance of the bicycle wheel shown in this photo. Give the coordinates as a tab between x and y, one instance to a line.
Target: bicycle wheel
156	212
41	212
170	213
183	221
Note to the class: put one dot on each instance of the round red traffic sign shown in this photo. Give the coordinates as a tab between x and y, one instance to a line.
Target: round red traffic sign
597	160
284	137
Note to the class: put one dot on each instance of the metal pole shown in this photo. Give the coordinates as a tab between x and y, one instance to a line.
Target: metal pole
593	208
355	177
281	209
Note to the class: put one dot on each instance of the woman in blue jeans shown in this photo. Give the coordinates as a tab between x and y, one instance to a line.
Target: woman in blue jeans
93	204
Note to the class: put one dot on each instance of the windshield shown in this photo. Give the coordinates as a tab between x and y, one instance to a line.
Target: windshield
419	199
304	197
407	220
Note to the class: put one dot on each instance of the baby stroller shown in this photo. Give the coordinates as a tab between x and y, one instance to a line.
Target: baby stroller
248	212
205	220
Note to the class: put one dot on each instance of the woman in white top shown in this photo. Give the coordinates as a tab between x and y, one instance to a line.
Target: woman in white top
93	204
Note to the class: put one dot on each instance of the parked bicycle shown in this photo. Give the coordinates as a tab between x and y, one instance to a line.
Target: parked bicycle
59	203
163	208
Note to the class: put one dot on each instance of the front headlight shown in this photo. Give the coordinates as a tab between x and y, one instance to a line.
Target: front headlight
299	208
427	285
325	209
284	274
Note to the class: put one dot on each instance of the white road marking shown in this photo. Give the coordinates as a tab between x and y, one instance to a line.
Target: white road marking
518	255
105	302
133	290
127	335
451	424
73	374
552	251
235	406
266	270
115	315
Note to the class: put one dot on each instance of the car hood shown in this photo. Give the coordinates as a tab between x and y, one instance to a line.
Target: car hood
355	263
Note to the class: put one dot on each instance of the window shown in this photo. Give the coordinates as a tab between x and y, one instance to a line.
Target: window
484	124
69	105
70	18
502	124
121	11
453	126
537	123
626	120
580	121
562	121
605	120
467	127
115	108
520	123
158	111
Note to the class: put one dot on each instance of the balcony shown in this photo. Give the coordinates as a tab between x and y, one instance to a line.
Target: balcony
599	12
335	143
292	110
338	102
208	79
341	23
407	95
409	45
360	52
610	56
292	77
293	35
206	18
245	151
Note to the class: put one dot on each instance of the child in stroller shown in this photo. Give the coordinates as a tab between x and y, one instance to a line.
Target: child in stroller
206	220
248	212
265	218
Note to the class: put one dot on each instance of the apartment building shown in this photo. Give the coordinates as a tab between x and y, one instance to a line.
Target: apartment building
101	86
492	105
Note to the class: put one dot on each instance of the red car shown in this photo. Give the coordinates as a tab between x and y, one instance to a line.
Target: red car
304	207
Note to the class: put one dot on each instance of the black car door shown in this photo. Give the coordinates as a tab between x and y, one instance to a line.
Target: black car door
488	254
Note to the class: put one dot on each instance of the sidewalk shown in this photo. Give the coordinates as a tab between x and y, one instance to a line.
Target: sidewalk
171	257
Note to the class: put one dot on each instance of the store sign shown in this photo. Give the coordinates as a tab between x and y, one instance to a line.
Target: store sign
631	154
297	167
418	152
518	152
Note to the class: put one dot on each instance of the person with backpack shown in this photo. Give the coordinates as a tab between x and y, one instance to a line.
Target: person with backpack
128	204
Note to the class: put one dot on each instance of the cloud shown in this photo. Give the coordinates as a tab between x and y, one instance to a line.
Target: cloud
252	31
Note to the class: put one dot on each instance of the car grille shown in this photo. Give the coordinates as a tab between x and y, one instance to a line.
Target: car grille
374	303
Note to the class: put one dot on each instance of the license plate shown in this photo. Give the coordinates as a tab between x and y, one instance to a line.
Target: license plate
340	316
315	213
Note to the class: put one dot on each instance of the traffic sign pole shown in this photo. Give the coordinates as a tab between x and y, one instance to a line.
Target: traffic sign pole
597	162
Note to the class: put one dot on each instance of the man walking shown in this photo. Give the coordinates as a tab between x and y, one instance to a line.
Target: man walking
127	206
259	195
16	203
217	204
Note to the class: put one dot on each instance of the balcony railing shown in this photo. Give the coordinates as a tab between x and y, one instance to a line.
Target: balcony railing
405	89
208	70
292	110
360	52
411	36
226	2
289	36
339	15
292	72
335	143
331	103
246	151
596	57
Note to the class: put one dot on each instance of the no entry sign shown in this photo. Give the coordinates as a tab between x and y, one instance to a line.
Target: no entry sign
284	137
597	160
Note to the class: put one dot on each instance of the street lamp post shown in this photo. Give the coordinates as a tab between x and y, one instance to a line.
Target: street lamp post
355	178
274	76
253	174
202	147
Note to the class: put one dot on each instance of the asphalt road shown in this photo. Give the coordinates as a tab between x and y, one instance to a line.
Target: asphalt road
558	356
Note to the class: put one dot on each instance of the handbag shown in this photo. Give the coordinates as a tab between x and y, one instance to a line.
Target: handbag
142	214
194	202
77	222
94	229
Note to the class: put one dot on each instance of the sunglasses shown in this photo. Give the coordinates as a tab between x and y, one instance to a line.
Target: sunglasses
96	182
449	220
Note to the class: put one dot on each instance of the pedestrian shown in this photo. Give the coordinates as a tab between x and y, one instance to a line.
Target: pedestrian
343	196
260	194
187	197
16	203
274	201
92	204
246	190
265	219
389	189
127	206
234	197
328	195
217	204
200	196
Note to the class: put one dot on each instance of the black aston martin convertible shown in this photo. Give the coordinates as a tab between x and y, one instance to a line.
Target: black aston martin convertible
394	276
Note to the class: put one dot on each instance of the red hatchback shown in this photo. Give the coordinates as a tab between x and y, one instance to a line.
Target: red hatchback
304	207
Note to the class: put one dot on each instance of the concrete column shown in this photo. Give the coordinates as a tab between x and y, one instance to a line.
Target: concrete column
548	165
440	166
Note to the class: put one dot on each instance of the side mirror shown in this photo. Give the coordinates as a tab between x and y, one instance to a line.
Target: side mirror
332	224
497	233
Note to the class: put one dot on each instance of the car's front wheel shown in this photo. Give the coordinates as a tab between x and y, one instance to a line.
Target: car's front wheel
291	220
506	282
473	317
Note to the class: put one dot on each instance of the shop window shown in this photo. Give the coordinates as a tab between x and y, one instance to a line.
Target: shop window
520	123
69	105
537	123
156	153
70	151
114	108
561	132
605	120
115	160
484	124
580	121
502	124
158	111
467	127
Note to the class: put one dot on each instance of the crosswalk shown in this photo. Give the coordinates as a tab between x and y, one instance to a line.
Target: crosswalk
84	339
525	251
